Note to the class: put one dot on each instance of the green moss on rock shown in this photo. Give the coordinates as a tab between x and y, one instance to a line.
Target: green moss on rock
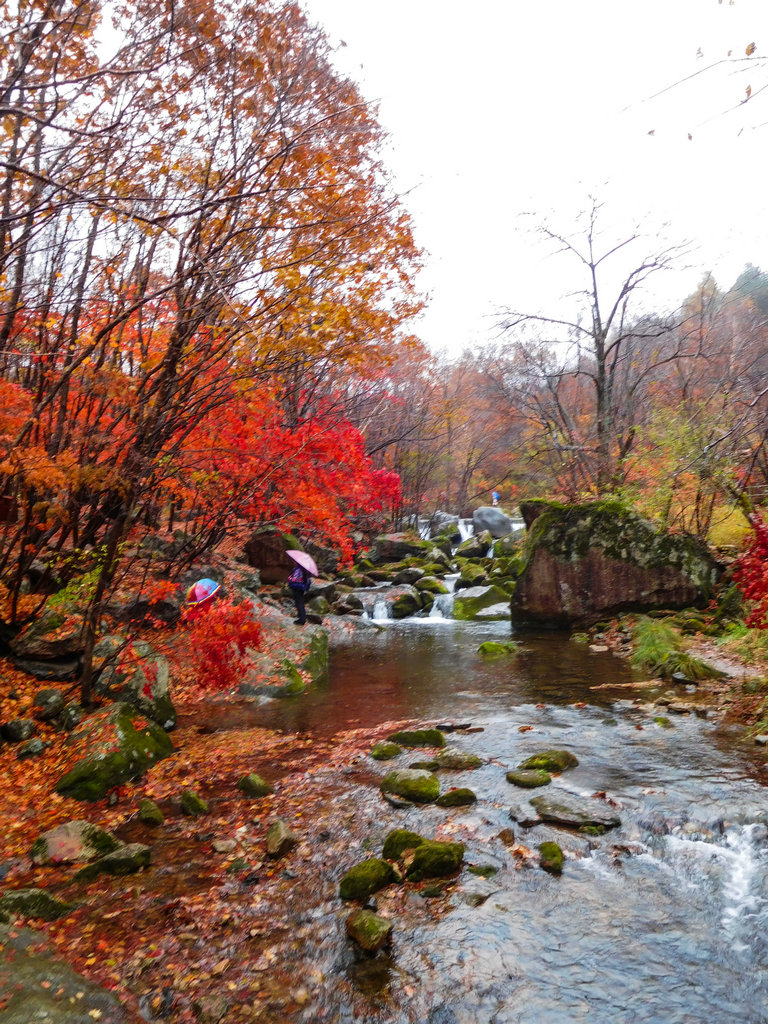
150	813
551	761
122	747
530	778
398	840
35	903
193	805
370	931
366	878
432	859
460	797
421	787
551	858
494	649
385	751
418	738
253	785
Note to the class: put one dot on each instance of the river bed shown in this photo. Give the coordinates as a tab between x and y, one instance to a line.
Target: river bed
662	920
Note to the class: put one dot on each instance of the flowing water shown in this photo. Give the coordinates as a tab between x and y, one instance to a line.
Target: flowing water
662	921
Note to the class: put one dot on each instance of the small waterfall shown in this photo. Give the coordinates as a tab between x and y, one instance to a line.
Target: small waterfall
744	858
466	528
442	607
380	611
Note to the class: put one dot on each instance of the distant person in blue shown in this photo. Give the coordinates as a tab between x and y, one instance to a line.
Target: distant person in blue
495	497
299	581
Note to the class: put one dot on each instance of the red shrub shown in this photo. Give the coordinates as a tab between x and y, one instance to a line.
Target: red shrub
219	637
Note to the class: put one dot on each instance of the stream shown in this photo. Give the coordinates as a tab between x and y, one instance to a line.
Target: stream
662	920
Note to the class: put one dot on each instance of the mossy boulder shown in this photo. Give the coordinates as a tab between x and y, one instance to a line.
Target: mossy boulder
366	878
432	859
472	602
475	546
591	561
192	804
126	860
457	760
109	748
252	785
398	840
385	751
59	631
143	681
294	683
473	574
530	778
431	585
460	797
71	842
551	858
406	605
34	903
550	761
497	649
48	704
394	547
421	787
418	738
150	814
370	931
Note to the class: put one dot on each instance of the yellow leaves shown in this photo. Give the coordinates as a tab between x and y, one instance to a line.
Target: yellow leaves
750	49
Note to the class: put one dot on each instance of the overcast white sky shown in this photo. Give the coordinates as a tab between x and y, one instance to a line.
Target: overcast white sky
507	107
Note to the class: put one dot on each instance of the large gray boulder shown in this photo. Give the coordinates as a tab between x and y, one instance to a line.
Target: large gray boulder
393	547
139	677
584	563
492	519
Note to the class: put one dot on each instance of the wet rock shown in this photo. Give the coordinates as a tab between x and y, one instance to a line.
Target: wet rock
432	859
418	738
370	931
507	836
456	798
254	786
421	787
550	761
280	839
37	988
114	746
427	766
662	722
385	751
32	748
529	778
192	804
473	574
431	585
142	681
494	612
569	811
18	730
72	842
394	547
150	814
458	760
585	563
492	519
551	858
476	546
33	903
409	575
494	649
406	605
126	860
56	633
366	878
398	840
469	603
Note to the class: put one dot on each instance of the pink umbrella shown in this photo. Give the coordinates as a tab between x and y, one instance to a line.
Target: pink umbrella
305	561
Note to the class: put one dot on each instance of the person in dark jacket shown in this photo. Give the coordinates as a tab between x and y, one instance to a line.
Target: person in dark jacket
299	582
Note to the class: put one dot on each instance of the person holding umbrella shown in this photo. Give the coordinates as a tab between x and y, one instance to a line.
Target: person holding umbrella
300	581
